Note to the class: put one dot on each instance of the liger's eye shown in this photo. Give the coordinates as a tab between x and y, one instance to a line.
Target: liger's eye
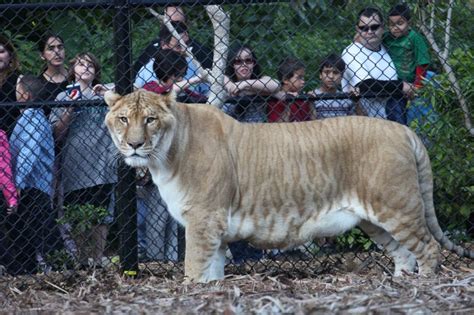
123	119
149	120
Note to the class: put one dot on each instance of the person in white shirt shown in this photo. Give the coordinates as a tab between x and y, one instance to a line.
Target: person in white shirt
369	68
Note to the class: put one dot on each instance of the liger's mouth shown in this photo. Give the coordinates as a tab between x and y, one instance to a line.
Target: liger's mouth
136	155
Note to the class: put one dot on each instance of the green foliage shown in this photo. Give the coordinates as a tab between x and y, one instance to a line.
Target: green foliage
83	217
82	31
355	238
450	146
26	50
60	260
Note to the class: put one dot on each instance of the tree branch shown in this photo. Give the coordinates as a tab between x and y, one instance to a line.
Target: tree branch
432	18
221	25
449	70
447	34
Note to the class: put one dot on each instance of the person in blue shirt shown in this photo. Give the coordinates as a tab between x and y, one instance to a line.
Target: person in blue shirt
32	150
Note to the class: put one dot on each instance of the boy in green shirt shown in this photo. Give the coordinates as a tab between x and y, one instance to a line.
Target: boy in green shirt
409	52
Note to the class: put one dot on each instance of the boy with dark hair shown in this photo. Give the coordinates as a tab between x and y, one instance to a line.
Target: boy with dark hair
406	46
332	61
291	72
331	69
32	147
409	53
166	41
169	68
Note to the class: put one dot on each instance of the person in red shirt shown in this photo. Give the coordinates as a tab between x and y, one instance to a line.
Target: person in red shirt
291	72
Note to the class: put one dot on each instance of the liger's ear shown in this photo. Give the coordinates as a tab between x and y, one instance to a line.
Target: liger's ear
169	97
111	98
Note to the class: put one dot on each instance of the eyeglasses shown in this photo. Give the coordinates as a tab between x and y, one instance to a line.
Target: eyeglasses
247	61
366	28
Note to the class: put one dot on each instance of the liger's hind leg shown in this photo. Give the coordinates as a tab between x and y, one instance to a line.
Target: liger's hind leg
403	259
410	230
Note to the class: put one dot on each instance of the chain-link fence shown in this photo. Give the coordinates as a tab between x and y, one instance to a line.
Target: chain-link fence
70	204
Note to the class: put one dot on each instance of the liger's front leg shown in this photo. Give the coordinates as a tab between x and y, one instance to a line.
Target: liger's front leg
205	251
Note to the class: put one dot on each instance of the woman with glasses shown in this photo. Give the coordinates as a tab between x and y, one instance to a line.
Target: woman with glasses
243	77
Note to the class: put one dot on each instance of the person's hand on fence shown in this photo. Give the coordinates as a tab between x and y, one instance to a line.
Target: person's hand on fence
354	91
201	76
409	90
231	88
11	210
204	75
242	86
100	89
283	95
185	84
280	95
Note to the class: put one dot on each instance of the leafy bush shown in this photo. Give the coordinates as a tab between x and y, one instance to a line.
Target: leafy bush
450	146
87	231
83	217
354	239
60	260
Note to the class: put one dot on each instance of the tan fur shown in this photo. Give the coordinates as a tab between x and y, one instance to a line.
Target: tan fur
280	185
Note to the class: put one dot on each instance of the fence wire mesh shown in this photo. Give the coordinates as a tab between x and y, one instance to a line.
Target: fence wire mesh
63	184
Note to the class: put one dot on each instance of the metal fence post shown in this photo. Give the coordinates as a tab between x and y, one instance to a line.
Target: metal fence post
126	204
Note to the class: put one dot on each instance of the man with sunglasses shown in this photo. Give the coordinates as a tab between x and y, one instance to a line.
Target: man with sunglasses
369	69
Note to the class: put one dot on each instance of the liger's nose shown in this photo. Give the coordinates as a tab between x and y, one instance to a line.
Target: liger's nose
135	145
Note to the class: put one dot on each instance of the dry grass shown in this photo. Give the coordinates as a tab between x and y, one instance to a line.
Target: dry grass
326	287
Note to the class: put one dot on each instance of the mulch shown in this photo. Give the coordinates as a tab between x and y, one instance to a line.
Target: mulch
344	284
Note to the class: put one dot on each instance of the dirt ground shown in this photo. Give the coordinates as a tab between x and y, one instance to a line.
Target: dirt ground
342	284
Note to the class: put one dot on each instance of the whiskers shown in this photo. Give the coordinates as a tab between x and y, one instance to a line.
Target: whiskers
116	157
160	156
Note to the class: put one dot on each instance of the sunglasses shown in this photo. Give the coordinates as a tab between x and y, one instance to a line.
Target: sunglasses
247	61
366	28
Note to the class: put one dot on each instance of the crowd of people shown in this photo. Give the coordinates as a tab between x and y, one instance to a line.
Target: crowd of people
55	157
